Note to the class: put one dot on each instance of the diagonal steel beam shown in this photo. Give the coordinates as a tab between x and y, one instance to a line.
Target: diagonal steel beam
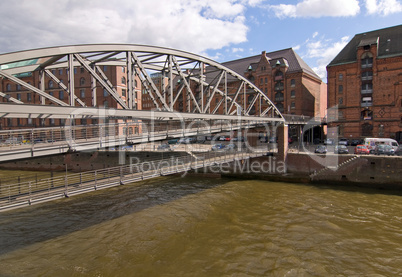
101	81
12	99
149	80
32	88
63	86
252	103
214	91
186	84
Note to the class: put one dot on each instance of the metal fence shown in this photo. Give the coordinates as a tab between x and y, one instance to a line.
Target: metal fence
14	195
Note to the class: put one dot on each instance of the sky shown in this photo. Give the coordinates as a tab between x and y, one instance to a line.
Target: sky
222	30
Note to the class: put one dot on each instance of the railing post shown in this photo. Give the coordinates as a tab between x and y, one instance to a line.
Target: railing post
95	178
65	186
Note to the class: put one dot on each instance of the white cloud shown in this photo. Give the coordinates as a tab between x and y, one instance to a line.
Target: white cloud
383	7
297	47
191	25
324	52
235	50
317	8
315	34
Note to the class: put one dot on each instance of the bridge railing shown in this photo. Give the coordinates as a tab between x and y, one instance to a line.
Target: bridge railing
14	195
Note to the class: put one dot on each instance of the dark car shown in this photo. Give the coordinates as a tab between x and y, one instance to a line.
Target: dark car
218	147
321	149
382	149
355	142
164	147
341	149
398	151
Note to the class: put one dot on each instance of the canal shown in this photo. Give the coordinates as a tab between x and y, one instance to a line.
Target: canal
197	226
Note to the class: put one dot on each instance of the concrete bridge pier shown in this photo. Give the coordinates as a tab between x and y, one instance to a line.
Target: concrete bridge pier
283	142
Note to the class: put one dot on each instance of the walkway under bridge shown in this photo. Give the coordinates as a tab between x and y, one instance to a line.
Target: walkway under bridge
29	192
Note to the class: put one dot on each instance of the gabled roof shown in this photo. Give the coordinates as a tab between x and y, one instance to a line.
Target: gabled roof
295	62
388	40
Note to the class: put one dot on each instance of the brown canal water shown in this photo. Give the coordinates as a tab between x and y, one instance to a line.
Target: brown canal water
207	227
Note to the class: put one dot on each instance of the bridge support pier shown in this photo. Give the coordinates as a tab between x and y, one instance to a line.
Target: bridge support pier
283	142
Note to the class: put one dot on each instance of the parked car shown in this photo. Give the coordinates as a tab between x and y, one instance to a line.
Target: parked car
218	147
164	147
355	142
231	147
398	151
341	149
343	141
382	149
361	149
321	149
329	141
173	141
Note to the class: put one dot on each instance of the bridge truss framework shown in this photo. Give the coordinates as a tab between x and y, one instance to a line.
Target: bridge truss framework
183	71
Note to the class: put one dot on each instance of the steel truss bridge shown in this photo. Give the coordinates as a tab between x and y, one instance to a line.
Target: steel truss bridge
197	79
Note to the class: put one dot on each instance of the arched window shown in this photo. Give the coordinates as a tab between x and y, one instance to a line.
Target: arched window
279	106
82	81
292	82
278	75
106	104
279	97
50	84
123	80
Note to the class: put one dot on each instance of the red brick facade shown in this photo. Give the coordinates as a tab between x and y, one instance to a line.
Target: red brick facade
367	90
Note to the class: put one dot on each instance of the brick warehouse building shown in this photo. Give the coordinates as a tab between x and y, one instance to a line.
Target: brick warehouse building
365	84
282	75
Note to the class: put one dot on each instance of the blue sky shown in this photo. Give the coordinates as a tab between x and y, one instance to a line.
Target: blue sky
219	29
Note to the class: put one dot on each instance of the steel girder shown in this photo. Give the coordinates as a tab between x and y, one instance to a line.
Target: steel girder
183	71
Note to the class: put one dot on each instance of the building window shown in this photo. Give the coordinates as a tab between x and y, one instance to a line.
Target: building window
60	71
82	81
82	93
279	97
340	101
367	88
293	105
106	104
18	87
367	60
61	95
82	70
51	93
29	97
75	70
367	130
340	114
123	92
279	86
123	80
293	94
19	96
8	87
340	77
278	76
266	80
29	121
105	93
279	106
292	82
50	84
367	75
123	69
340	89
261	80
104	68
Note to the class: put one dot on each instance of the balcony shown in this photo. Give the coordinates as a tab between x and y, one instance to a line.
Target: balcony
366	91
279	99
278	78
279	88
366	104
367	78
368	65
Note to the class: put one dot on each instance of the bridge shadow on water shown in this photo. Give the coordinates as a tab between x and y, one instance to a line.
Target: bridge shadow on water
26	226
